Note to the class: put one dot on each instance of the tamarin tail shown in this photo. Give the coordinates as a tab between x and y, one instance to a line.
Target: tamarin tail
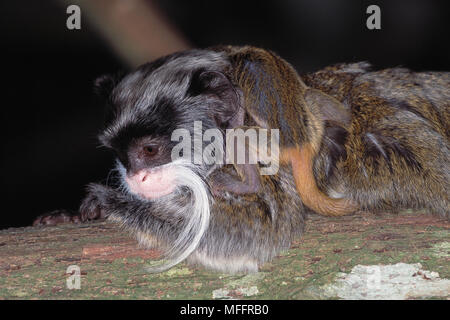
301	160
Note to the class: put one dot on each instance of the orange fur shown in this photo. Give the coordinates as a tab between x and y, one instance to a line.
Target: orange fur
301	160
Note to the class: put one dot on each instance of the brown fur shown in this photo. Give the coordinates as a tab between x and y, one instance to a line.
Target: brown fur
356	139
395	154
282	106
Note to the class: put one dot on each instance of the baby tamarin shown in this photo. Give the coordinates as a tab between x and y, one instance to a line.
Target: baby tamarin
395	152
349	138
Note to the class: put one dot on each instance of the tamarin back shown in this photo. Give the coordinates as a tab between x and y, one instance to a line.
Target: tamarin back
395	153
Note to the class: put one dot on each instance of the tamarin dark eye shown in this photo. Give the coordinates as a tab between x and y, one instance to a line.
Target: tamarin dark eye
151	150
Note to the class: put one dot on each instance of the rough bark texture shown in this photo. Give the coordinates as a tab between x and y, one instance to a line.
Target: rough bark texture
33	262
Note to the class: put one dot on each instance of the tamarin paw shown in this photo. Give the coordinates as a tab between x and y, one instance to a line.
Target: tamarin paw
56	217
92	207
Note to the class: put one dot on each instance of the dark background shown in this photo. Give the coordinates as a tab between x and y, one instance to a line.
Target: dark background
50	117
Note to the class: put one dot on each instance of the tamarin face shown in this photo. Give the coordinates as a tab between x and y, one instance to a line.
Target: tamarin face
146	106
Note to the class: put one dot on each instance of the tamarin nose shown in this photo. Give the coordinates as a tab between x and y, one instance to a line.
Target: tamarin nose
142	176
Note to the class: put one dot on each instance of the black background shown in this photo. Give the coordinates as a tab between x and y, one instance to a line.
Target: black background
50	117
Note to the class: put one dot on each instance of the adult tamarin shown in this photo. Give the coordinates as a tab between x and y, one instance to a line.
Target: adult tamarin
350	138
168	204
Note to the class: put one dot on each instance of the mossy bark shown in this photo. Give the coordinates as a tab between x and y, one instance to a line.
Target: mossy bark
34	261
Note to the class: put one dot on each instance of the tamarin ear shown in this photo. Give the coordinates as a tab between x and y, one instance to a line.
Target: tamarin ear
328	107
104	85
215	83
